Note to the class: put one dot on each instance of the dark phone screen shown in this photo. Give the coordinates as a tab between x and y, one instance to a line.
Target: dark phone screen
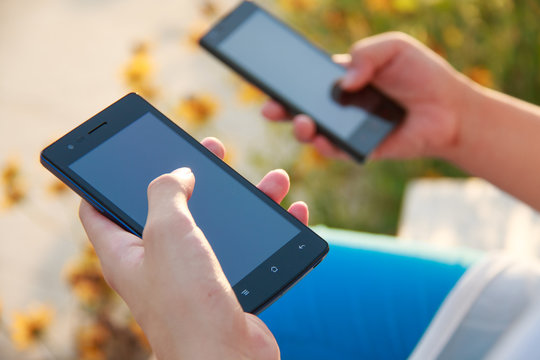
302	74
242	229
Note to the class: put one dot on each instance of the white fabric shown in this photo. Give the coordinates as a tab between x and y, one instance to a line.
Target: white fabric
493	311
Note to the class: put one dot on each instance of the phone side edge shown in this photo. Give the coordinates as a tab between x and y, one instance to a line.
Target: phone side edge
83	194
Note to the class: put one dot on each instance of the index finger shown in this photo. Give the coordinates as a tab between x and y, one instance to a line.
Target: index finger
274	111
111	242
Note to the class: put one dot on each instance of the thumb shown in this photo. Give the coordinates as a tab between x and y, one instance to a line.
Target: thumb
168	215
370	56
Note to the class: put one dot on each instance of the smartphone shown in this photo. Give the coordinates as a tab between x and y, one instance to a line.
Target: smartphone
301	76
110	159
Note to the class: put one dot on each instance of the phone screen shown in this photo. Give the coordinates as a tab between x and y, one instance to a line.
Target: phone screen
242	229
297	73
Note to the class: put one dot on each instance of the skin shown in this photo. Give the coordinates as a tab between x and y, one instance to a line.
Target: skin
171	279
484	132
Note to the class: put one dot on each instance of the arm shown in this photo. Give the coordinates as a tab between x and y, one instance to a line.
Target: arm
489	134
171	279
499	140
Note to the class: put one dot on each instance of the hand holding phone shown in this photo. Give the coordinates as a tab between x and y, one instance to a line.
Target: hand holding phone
431	90
303	78
112	158
173	261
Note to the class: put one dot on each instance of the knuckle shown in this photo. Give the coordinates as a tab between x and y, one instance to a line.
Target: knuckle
165	180
177	222
398	36
357	46
400	40
391	38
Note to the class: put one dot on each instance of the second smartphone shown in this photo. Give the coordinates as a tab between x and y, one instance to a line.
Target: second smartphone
290	69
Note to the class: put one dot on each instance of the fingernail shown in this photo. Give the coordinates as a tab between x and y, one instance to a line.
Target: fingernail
183	172
349	78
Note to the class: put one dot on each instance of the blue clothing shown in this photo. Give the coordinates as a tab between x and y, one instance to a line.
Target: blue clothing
369	299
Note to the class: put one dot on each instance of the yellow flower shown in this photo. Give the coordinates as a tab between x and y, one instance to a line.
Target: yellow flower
139	70
15	189
378	5
334	19
89	291
86	279
248	93
480	75
14	194
30	327
197	109
298	5
469	11
209	8
195	32
358	26
90	253
139	334
453	36
405	6
56	187
11	171
92	341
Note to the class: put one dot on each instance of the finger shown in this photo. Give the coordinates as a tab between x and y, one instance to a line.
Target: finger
275	184
304	128
100	230
370	55
300	211
111	242
274	111
259	334
215	146
401	143
342	59
327	148
168	215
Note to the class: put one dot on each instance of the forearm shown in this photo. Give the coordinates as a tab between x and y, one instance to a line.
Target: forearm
499	140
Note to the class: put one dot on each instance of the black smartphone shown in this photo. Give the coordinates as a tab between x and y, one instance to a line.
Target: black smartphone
301	76
110	159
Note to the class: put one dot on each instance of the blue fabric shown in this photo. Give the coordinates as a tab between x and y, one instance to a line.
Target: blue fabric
362	302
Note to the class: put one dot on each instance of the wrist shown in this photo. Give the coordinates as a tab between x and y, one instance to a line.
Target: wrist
468	116
196	342
226	334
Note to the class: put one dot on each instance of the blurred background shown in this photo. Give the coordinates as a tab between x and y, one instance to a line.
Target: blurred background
61	61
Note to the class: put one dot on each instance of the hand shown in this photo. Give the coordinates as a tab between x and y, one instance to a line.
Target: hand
171	279
426	85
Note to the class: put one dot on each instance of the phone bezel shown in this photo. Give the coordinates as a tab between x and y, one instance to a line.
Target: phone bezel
226	25
265	286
